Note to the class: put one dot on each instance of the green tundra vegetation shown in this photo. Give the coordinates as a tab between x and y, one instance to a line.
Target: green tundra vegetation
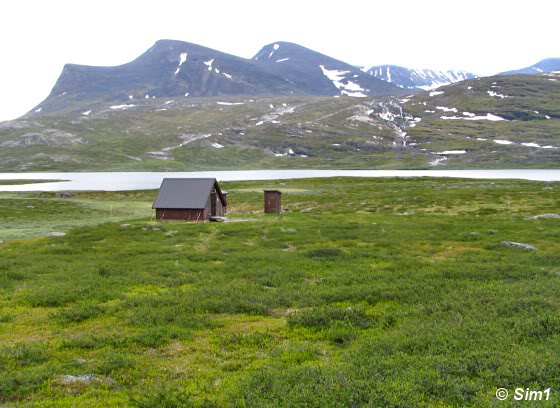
364	292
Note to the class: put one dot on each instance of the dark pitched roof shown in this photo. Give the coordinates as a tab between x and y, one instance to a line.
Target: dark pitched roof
186	193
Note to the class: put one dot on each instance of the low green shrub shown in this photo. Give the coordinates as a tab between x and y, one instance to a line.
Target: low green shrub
53	296
324	253
24	354
113	361
78	312
169	395
325	316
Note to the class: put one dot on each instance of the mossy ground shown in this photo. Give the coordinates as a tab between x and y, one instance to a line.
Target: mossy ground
366	292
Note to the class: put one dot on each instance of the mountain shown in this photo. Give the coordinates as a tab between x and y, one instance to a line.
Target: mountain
494	122
176	69
426	79
320	74
544	66
170	69
277	110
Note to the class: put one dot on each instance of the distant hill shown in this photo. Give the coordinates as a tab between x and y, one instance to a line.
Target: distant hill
177	69
497	122
545	66
409	78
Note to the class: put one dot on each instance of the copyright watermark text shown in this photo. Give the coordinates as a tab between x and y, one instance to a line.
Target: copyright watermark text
523	394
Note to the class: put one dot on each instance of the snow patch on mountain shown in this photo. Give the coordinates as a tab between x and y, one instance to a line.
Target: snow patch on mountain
274	49
410	78
230	103
117	107
489	116
209	64
497	95
349	88
445	109
447	152
182	59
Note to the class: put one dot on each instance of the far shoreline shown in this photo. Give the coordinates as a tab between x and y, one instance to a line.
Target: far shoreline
21	182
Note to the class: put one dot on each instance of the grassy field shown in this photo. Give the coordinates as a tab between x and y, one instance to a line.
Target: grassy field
365	292
35	215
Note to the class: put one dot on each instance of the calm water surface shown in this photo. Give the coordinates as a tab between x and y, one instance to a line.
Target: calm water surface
119	181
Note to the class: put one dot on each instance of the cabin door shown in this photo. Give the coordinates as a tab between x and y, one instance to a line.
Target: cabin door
213	204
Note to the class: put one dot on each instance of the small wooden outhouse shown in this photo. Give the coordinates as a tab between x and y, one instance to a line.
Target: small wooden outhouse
272	201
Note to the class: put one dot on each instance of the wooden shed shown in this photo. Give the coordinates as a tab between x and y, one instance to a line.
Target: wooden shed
272	201
189	199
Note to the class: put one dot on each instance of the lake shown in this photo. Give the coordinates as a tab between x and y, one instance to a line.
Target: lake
120	181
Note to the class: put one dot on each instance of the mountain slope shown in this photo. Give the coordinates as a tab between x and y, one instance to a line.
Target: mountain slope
499	122
320	74
544	66
176	69
210	133
426	79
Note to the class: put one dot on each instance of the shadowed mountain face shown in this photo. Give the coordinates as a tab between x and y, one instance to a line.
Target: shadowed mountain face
176	69
544	66
409	78
168	69
320	74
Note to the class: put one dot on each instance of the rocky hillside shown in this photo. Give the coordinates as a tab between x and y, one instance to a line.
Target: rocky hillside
501	121
181	70
414	79
213	133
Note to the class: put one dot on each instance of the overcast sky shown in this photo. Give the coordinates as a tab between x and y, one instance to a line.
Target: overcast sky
485	37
